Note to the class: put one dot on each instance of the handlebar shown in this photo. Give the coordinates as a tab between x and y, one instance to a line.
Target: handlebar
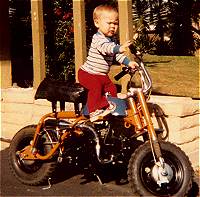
145	78
133	49
144	75
124	71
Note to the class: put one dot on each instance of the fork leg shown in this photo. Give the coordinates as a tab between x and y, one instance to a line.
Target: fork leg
150	128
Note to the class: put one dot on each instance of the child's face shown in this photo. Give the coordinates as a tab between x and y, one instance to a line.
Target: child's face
107	23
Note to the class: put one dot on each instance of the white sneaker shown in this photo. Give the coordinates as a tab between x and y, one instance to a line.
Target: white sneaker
100	113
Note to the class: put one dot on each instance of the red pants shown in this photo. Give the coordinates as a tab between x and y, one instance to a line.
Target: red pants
97	86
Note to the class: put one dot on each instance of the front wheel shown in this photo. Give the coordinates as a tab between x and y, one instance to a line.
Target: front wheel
31	172
141	171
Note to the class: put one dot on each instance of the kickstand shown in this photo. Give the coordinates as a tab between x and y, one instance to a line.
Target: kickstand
98	179
49	186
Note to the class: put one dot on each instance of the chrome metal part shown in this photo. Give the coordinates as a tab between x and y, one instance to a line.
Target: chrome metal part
97	147
162	175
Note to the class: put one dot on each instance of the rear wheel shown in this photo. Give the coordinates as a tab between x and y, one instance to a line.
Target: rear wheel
142	171
31	172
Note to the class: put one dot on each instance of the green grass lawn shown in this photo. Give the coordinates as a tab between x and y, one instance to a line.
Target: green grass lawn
174	75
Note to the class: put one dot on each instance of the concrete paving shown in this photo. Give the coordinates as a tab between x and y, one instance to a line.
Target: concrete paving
69	185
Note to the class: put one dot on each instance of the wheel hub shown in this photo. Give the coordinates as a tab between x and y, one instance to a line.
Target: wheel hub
162	175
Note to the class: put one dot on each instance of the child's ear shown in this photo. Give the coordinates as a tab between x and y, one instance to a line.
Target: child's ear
96	23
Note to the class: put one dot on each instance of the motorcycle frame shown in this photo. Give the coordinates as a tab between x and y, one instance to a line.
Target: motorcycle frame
137	115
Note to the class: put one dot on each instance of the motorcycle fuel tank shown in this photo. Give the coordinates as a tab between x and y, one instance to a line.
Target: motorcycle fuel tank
120	110
121	106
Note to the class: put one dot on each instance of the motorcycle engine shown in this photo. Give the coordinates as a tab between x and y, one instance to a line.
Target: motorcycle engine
114	138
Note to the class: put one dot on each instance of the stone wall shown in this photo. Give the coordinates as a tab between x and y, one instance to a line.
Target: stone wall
178	115
182	116
19	109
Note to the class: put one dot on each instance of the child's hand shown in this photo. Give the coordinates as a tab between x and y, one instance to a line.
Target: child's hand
133	64
123	47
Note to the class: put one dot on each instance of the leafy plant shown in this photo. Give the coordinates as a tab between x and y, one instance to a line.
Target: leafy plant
59	39
167	25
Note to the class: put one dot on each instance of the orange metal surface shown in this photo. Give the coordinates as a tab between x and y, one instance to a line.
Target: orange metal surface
27	153
133	115
146	114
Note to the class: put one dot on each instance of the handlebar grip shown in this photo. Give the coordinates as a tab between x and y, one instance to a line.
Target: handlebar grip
121	74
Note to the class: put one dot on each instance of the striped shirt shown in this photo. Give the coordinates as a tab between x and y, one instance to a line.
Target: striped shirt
101	54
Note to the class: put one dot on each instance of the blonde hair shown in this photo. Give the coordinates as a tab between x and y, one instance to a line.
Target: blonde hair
99	9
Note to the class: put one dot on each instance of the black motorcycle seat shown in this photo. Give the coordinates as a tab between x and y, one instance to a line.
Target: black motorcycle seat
56	90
